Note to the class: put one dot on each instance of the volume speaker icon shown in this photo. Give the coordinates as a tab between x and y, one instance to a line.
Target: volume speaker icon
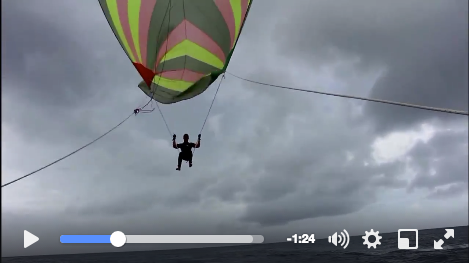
343	239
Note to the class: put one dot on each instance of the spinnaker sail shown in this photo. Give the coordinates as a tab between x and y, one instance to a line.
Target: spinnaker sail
179	47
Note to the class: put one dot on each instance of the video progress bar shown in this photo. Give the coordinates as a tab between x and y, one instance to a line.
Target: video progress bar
118	239
194	239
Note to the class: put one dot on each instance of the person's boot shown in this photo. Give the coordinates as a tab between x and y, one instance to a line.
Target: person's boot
190	164
178	169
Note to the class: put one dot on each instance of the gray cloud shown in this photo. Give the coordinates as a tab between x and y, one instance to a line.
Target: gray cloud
442	161
422	48
272	161
40	59
452	190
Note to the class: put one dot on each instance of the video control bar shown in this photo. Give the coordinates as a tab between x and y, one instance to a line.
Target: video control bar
118	239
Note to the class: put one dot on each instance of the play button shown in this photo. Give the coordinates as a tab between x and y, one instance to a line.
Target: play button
29	239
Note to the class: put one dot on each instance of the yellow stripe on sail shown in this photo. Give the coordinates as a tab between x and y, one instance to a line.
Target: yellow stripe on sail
176	85
134	15
191	49
112	6
236	7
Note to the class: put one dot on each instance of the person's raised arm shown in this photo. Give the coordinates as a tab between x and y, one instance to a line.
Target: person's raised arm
197	145
174	142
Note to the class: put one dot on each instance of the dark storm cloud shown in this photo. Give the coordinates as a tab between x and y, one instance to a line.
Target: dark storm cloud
275	158
442	162
40	59
143	200
451	191
421	45
312	183
298	175
292	167
46	74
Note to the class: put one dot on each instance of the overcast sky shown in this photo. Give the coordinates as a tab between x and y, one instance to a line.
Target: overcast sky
272	162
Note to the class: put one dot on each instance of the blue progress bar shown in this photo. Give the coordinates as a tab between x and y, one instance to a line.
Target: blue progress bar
85	239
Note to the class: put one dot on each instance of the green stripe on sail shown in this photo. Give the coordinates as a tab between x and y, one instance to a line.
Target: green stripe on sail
105	9
158	20
206	16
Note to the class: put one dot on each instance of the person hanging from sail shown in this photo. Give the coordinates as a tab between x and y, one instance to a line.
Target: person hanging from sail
186	149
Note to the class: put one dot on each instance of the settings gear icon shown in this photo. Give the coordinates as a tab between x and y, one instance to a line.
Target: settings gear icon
371	233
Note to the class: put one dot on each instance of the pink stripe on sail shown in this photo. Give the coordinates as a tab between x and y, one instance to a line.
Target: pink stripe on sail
244	9
122	8
225	9
187	30
182	74
146	12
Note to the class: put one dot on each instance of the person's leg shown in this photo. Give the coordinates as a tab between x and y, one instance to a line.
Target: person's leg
190	159
179	161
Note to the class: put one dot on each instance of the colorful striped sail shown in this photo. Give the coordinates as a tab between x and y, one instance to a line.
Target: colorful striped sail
179	47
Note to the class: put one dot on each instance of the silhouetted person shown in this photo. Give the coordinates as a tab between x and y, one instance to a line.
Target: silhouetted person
186	149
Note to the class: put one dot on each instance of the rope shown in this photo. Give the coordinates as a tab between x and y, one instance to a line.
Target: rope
147	111
162	116
168	9
211	105
106	133
142	109
70	154
359	98
151	98
83	147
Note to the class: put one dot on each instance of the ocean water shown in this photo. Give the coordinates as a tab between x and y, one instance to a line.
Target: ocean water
454	251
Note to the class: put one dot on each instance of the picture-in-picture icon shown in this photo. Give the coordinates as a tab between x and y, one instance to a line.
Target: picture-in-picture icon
403	242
